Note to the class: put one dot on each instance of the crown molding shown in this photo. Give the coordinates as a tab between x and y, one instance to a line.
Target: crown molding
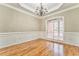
26	7
22	11
31	9
56	7
26	12
39	17
64	10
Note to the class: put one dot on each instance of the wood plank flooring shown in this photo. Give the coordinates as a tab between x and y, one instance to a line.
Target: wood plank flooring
39	47
31	48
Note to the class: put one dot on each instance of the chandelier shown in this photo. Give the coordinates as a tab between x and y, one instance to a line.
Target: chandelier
41	10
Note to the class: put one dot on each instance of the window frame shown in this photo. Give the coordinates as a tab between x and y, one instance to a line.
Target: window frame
50	19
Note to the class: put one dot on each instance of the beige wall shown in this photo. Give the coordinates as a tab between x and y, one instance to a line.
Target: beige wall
71	20
14	21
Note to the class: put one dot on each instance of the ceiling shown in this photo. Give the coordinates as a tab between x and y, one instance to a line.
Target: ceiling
52	7
49	6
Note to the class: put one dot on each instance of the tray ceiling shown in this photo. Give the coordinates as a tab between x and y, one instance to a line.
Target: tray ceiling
49	6
52	7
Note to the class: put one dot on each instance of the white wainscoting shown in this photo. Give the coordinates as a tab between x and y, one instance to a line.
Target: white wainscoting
11	38
71	37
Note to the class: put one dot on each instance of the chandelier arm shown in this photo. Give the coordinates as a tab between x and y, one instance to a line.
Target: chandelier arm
41	10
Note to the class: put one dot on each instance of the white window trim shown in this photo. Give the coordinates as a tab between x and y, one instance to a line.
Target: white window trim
46	29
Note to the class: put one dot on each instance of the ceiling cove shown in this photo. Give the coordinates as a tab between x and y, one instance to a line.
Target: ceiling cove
32	6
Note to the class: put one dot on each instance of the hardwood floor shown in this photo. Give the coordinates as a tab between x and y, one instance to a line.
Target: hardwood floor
39	47
31	48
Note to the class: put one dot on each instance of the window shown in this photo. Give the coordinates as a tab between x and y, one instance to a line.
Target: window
55	30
